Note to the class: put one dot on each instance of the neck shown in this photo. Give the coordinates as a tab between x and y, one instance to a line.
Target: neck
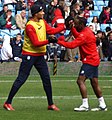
35	19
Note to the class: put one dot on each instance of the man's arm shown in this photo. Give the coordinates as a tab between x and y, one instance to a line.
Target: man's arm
74	32
80	40
50	30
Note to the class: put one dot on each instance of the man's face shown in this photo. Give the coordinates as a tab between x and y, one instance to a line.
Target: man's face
5	8
110	36
23	13
9	13
0	46
99	35
40	14
55	2
18	37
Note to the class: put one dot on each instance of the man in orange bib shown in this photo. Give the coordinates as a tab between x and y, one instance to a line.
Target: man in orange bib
33	51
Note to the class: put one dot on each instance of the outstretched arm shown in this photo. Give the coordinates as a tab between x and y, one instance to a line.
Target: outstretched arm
74	32
50	30
73	44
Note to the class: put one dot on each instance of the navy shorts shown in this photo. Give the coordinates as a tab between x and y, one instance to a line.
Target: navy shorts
89	71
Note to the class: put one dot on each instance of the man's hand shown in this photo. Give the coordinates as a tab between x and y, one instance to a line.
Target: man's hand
52	39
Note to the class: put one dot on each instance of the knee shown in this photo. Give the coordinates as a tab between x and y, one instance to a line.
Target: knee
79	82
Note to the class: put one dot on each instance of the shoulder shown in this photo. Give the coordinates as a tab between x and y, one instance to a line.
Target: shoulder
12	17
18	15
29	26
86	32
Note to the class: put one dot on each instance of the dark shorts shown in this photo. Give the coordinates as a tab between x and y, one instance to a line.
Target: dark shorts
89	71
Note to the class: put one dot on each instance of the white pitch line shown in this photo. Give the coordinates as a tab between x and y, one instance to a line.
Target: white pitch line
58	97
34	81
60	76
107	87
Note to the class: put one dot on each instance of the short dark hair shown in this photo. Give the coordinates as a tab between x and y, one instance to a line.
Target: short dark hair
5	5
81	20
18	34
80	23
108	29
99	31
109	33
9	10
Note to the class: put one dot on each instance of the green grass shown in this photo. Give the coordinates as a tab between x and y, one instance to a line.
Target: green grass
30	102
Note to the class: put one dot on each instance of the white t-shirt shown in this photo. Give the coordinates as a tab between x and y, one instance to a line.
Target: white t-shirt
6	51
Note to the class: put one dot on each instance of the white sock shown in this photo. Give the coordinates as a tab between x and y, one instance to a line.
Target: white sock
101	102
85	102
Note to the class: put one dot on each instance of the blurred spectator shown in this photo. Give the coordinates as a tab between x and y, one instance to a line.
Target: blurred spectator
110	46
48	1
30	3
50	13
73	2
105	46
108	30
110	5
86	11
16	45
1	43
105	16
21	20
61	6
102	45
92	28
54	49
99	43
6	51
95	23
9	2
5	8
67	9
71	54
0	50
75	10
90	3
20	5
58	19
81	13
7	21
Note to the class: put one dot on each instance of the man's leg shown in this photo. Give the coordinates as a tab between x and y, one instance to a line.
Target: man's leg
98	93
96	87
82	86
24	71
42	68
83	91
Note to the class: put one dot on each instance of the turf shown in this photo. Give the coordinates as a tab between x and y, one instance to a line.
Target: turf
30	102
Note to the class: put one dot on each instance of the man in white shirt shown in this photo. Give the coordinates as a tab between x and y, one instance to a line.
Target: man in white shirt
6	50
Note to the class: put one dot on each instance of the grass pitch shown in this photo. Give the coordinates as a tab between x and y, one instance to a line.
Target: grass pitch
30	102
